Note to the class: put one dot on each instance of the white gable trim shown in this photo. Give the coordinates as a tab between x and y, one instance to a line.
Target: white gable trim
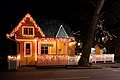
61	27
23	20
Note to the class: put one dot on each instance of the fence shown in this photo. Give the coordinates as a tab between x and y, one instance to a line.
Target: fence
13	63
102	57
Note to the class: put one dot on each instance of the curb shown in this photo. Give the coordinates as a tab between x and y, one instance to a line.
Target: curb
84	68
80	67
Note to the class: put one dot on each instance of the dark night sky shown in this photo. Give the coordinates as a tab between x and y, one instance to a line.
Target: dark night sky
49	9
68	11
76	13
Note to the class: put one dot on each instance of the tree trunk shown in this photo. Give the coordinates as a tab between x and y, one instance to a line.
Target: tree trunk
84	60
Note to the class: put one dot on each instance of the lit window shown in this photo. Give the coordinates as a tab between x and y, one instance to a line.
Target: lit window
28	31
27	48
25	31
44	50
31	31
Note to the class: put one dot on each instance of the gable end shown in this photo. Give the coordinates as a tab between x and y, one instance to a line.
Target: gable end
24	21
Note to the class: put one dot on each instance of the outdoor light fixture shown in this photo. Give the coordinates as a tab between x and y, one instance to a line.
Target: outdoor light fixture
18	57
78	44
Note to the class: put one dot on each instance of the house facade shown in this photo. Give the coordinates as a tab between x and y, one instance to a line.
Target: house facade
39	44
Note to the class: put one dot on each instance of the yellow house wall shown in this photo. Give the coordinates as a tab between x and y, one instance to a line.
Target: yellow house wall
71	49
61	48
57	48
53	48
71	52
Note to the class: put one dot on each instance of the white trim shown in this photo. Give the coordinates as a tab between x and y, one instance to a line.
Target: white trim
61	27
25	39
39	47
27	27
25	49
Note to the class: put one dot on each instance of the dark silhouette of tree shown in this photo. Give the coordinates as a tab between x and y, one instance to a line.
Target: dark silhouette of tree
84	61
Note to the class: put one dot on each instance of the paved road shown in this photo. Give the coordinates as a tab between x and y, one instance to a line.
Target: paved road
105	73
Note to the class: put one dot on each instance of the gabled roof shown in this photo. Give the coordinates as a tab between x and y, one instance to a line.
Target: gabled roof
48	28
22	21
62	32
51	27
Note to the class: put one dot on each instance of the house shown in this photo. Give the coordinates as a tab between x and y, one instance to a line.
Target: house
45	44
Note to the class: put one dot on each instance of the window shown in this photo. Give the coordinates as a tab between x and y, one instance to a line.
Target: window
27	31
44	50
27	49
30	31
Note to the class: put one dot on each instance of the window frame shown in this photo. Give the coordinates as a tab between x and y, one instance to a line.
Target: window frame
44	50
39	48
28	27
26	55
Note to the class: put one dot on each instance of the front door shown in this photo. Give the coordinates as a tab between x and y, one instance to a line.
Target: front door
29	56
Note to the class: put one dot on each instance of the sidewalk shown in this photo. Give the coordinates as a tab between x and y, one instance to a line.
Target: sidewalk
98	66
24	69
105	65
95	66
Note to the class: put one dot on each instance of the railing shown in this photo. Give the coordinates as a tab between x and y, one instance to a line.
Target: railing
73	60
52	59
59	59
44	60
102	57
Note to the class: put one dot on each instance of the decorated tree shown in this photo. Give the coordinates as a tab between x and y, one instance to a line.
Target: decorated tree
102	35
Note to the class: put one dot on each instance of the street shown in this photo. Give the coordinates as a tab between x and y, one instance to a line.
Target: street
105	73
